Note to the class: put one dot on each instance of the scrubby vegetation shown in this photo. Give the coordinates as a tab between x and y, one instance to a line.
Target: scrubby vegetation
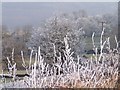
77	25
55	55
65	72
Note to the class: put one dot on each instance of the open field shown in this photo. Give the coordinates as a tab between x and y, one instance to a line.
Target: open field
89	43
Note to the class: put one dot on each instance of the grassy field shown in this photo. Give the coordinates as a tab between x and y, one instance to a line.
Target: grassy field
89	44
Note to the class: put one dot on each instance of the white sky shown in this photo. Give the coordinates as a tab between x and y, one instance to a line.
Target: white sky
59	0
19	14
43	9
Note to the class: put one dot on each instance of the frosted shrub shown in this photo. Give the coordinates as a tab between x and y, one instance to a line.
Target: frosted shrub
98	72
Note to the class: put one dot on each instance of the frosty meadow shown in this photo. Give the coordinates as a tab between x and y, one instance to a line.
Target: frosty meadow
98	72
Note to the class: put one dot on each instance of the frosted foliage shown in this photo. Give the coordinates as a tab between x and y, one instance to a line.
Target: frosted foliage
54	31
98	72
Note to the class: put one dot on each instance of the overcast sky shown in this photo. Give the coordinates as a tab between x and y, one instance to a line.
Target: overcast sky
19	14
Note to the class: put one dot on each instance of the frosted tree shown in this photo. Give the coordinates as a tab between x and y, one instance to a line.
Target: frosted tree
54	31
